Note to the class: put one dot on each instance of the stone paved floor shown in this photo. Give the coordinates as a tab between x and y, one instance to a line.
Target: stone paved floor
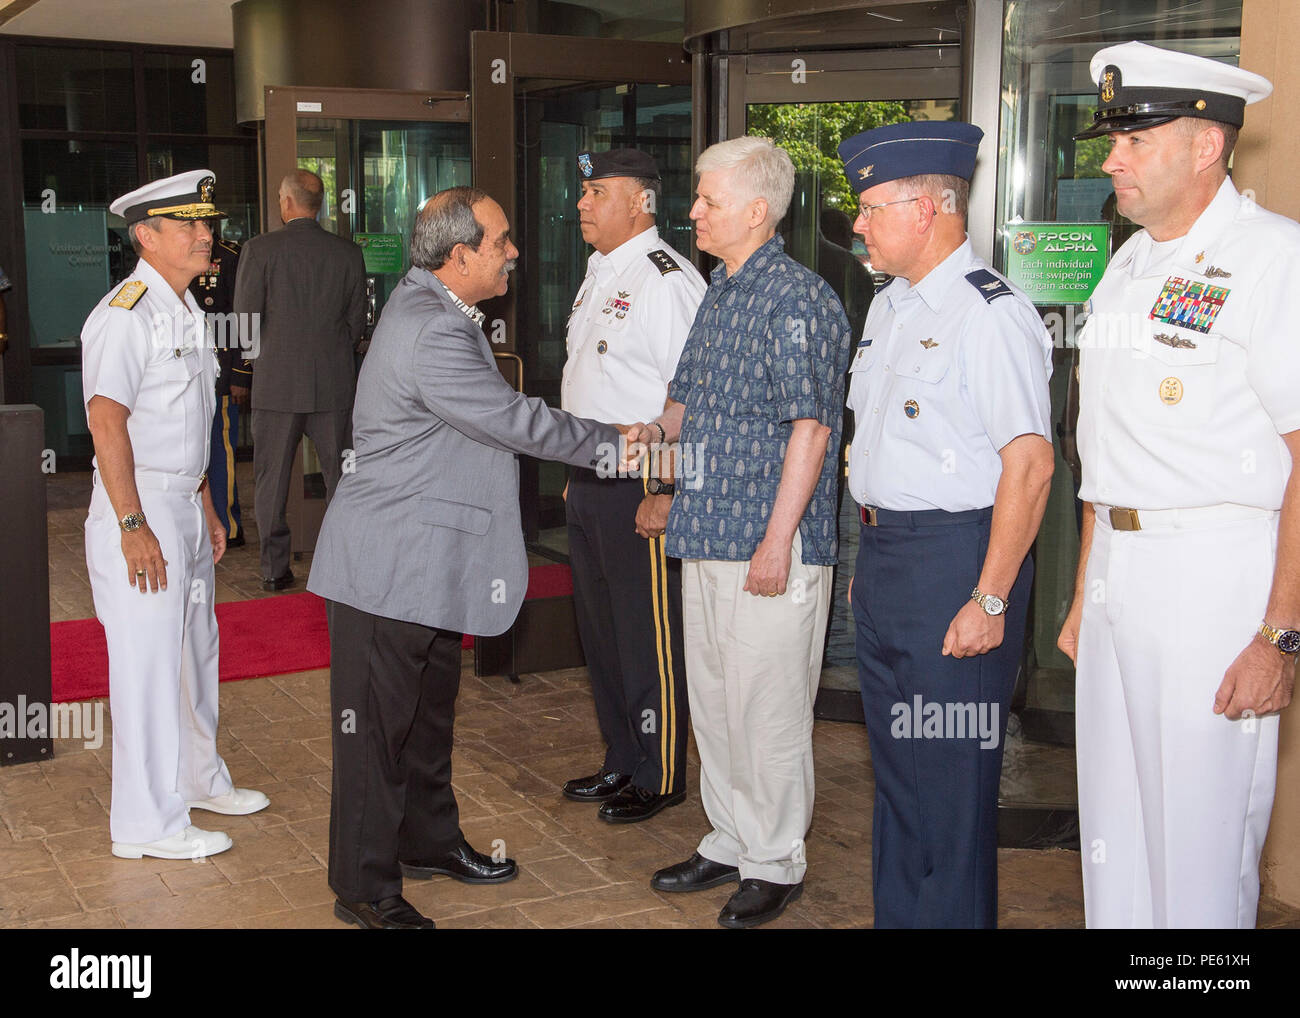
514	746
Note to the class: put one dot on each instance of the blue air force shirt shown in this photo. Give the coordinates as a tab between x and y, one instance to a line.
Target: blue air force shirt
946	373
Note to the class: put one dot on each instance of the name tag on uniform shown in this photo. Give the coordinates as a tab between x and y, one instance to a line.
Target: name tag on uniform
860	355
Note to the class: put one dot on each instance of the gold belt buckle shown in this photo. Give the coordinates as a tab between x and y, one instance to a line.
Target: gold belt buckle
868	515
1124	519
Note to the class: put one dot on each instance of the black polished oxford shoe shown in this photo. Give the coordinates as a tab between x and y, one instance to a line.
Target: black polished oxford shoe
280	582
596	787
464	864
395	913
757	902
695	874
634	804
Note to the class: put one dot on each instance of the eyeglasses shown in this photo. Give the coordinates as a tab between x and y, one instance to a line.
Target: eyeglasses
865	210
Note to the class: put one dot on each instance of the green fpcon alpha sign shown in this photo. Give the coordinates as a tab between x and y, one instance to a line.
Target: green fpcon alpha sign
1057	263
382	251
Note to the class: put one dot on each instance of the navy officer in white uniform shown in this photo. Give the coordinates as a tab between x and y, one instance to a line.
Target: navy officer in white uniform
152	535
1186	616
950	464
627	328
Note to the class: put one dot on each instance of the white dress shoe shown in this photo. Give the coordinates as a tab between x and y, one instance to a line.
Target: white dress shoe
236	803
191	843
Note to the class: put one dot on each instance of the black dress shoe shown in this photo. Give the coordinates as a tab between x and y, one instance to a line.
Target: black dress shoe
280	582
395	913
695	874
465	864
757	902
236	542
634	804
596	787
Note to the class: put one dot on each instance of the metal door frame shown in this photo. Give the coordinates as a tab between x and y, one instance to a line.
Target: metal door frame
498	60
285	105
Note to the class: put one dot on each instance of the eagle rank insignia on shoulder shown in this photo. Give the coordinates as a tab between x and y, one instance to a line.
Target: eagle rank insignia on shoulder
989	285
129	295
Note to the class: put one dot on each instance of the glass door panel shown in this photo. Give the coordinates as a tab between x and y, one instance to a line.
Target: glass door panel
377	174
554	122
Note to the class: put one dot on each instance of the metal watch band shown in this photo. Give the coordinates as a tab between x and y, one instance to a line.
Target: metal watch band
1287	641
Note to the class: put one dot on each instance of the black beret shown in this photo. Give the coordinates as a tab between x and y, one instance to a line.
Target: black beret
617	162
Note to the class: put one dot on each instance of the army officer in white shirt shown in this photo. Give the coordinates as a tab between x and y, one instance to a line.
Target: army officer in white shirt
1186	615
152	534
626	331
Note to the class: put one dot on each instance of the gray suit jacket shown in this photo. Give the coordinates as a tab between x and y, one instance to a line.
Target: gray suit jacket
309	286
426	527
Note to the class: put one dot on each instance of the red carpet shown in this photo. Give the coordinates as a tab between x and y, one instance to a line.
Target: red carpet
264	636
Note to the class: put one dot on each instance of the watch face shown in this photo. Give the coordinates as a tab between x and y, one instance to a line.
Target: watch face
1288	641
994	605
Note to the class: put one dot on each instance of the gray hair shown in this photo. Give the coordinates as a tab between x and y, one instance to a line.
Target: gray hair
950	193
153	222
445	220
762	170
305	188
656	189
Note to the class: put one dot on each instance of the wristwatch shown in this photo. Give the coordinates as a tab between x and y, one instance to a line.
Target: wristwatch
131	522
654	486
1285	640
991	605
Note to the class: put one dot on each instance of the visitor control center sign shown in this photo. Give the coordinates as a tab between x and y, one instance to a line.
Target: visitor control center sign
1057	263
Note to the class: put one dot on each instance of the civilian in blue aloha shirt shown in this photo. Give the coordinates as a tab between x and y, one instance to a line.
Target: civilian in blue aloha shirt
757	401
764	352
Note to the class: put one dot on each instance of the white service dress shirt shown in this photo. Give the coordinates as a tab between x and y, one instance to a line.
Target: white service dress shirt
1189	364
627	328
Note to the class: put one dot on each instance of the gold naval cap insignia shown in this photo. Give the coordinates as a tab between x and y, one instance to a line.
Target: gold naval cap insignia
1108	87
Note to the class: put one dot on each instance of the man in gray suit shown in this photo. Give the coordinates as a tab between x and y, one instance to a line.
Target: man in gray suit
421	544
308	285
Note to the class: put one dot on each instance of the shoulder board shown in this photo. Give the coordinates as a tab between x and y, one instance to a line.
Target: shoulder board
230	246
883	285
989	286
129	295
663	261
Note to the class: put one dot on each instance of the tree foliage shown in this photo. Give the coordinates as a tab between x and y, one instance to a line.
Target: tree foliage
811	132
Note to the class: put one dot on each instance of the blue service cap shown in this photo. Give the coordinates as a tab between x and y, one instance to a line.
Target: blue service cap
910	149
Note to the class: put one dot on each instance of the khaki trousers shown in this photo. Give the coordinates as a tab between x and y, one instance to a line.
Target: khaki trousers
752	669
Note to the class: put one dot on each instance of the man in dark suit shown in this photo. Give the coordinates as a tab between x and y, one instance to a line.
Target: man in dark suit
308	286
421	544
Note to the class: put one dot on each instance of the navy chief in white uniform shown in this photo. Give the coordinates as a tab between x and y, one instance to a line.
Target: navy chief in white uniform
950	464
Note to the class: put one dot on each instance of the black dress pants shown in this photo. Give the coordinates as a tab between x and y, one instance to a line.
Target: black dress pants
393	689
628	599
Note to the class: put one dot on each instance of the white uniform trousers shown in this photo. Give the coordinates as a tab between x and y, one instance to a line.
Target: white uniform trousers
1174	800
752	669
162	664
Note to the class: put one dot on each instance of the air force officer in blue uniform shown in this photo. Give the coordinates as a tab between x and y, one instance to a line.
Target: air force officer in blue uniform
950	464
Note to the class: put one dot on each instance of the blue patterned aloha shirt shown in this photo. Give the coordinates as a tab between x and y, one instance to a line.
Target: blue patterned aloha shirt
769	346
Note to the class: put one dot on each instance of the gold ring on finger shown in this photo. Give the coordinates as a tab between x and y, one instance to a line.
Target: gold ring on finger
139	572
